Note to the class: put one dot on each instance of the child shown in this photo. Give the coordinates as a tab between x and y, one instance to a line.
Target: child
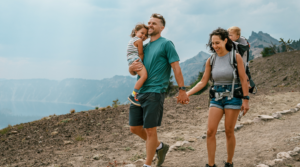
135	52
235	36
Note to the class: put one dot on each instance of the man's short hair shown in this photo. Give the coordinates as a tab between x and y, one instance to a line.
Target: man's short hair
159	16
236	29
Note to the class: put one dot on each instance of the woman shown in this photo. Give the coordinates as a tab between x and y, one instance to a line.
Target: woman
222	75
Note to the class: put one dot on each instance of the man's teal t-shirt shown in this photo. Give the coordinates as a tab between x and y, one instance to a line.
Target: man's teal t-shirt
158	55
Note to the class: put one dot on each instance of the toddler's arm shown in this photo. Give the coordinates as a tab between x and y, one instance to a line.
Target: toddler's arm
139	45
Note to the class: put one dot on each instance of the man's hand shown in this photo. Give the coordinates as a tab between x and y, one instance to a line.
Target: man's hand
135	67
182	97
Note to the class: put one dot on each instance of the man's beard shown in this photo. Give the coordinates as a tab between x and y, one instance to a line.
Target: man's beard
155	32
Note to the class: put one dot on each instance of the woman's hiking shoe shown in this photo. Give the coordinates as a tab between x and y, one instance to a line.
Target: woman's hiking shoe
210	166
161	154
227	164
132	100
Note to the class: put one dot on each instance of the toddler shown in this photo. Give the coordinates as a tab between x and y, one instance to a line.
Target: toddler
135	52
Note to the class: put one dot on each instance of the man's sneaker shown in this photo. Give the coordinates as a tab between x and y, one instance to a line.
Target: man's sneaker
161	154
132	100
210	166
227	164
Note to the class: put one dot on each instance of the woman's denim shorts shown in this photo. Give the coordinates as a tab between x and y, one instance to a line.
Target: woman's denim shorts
234	103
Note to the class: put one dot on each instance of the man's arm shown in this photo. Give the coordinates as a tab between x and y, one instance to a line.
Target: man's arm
135	67
182	97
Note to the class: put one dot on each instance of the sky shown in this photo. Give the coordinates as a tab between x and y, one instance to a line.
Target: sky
58	39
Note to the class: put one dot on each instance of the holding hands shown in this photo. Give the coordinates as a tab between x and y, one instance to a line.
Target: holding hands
183	97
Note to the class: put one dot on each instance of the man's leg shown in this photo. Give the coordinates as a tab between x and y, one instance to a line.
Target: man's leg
140	131
151	144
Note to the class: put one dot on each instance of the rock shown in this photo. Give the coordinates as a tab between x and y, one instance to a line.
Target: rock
270	162
297	109
278	160
262	165
130	165
277	115
203	137
68	142
54	133
178	144
256	120
97	156
192	140
293	153
248	122
297	149
283	155
293	110
139	162
298	105
285	112
13	132
237	127
265	117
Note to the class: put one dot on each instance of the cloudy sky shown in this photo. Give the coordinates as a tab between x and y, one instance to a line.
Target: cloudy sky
58	39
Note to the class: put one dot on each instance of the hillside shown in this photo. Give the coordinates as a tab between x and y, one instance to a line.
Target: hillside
191	67
102	137
258	41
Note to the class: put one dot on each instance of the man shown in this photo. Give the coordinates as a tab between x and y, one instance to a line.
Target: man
160	57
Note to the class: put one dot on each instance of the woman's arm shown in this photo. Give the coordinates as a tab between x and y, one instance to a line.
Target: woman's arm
243	79
200	85
139	45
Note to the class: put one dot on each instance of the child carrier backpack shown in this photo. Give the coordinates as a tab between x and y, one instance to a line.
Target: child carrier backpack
236	92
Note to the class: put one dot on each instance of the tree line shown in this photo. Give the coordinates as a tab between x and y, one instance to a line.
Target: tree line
285	46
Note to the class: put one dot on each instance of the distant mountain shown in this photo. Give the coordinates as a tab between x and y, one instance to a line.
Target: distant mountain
71	91
191	67
258	41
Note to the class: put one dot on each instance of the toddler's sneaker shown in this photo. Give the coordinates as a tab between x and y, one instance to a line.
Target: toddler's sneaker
133	101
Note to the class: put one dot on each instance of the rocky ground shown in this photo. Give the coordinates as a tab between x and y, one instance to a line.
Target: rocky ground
102	137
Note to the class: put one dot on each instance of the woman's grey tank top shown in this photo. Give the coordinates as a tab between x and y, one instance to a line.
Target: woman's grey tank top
222	71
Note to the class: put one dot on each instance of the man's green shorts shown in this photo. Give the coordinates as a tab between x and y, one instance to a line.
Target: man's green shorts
150	113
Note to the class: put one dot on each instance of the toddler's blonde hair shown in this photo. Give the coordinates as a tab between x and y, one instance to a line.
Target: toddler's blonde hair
236	29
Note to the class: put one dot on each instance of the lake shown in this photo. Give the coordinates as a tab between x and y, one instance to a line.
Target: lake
15	112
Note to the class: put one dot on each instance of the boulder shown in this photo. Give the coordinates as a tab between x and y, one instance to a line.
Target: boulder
298	105
97	156
297	109
270	162
293	110
54	133
293	153
68	142
237	127
262	165
13	132
277	115
139	162
285	112
265	117
283	155
297	149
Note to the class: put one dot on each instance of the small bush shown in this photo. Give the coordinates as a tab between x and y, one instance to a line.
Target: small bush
66	120
116	103
191	148
72	111
20	127
127	149
79	138
179	138
5	130
181	148
138	156
108	107
96	108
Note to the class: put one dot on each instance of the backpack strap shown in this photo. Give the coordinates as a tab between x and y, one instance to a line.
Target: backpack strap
233	63
212	62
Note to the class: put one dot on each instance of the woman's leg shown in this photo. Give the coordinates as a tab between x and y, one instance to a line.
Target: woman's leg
143	77
214	116
231	116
